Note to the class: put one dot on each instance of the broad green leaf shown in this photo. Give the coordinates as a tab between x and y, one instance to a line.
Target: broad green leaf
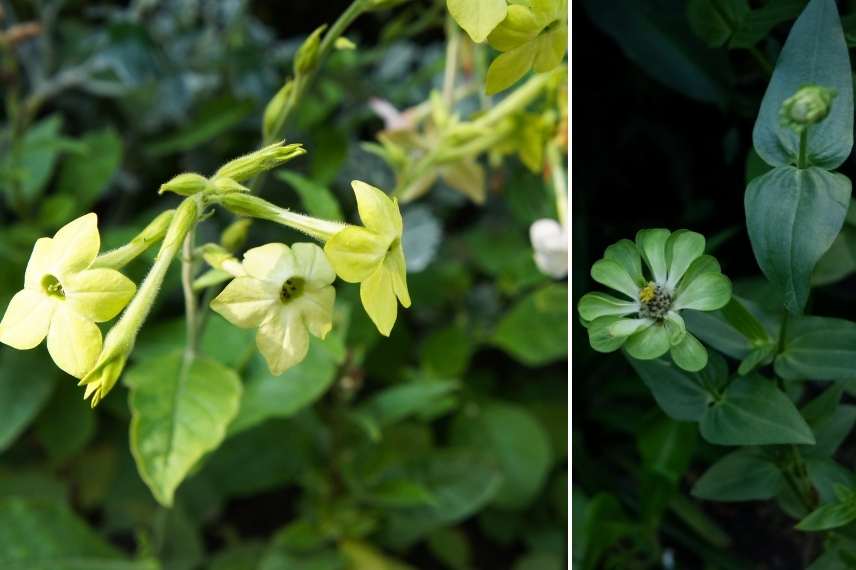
30	166
758	23
507	68
67	423
839	261
318	200
815	53
180	410
22	395
478	17
742	475
214	118
446	351
715	21
682	395
85	176
752	411
793	215
535	330
266	396
817	348
825	474
830	515
667	446
401	401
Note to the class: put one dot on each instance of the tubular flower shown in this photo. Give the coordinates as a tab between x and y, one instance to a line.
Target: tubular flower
372	255
649	324
286	293
63	298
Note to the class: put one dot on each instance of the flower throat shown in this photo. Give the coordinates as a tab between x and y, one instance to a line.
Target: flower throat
655	301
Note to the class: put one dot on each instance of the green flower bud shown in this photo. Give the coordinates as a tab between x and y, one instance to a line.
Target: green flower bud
808	106
307	55
185	184
276	108
219	258
344	43
224	184
248	166
234	236
255	207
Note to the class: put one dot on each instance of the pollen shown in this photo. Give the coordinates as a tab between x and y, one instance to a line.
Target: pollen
655	301
647	293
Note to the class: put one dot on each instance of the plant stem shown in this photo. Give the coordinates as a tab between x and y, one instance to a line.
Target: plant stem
557	173
803	160
454	39
190	311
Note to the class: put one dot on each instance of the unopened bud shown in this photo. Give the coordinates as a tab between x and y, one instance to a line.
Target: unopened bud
276	108
185	184
344	43
307	55
224	184
234	236
248	166
219	258
808	106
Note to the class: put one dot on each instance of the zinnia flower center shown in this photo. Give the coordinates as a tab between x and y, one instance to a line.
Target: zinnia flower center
291	289
53	287
655	301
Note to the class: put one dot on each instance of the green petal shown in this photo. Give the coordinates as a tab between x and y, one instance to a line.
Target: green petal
682	248
550	49
316	306
39	264
626	254
652	244
518	27
627	327
707	292
74	342
378	212
397	267
702	265
355	253
595	305
312	265
246	301
378	297
75	245
609	273
283	340
509	67
27	319
98	294
599	337
690	354
676	327
272	262
650	343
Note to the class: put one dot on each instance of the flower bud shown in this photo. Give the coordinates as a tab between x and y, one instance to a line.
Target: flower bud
307	55
276	108
343	43
219	258
255	207
248	166
234	236
808	106
224	184
185	184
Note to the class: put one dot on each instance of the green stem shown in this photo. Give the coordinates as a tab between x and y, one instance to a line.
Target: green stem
152	234
803	160
557	173
190	311
454	39
517	101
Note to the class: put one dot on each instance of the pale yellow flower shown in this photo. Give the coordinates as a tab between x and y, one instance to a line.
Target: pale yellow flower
286	293
373	256
63	298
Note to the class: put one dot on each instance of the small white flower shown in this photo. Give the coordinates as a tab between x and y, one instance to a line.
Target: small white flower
550	241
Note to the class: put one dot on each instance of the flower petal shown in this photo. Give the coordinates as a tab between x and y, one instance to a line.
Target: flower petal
246	301
690	354
707	292
355	253
648	344
27	319
676	327
609	273
98	294
652	244
317	309
627	327
378	211
313	265
378	297
74	342
283	340
39	264
76	245
702	265
595	305
272	262
397	267
626	254
682	248
599	337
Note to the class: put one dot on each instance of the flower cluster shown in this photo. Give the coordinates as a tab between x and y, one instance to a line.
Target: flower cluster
648	323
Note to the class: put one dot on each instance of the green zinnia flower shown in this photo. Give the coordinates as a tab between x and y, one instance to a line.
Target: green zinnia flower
649	324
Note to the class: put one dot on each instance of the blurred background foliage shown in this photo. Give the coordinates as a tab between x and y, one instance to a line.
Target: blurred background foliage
444	446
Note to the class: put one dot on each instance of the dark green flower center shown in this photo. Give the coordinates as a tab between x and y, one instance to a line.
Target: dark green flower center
291	289
654	301
53	287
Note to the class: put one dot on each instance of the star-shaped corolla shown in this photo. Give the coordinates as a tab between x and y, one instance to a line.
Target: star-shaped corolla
372	255
62	298
286	293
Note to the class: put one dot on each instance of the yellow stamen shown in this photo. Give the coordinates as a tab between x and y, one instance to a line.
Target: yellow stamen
647	292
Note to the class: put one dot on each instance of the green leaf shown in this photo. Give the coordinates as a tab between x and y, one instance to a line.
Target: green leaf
825	474
84	176
214	118
180	410
742	475
793	215
67	423
714	21
752	411
839	261
815	53
684	396
394	404
477	17
667	446
830	515
761	21
266	396
446	351
535	330
509	67
22	397
739	317
318	200
817	348
31	166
